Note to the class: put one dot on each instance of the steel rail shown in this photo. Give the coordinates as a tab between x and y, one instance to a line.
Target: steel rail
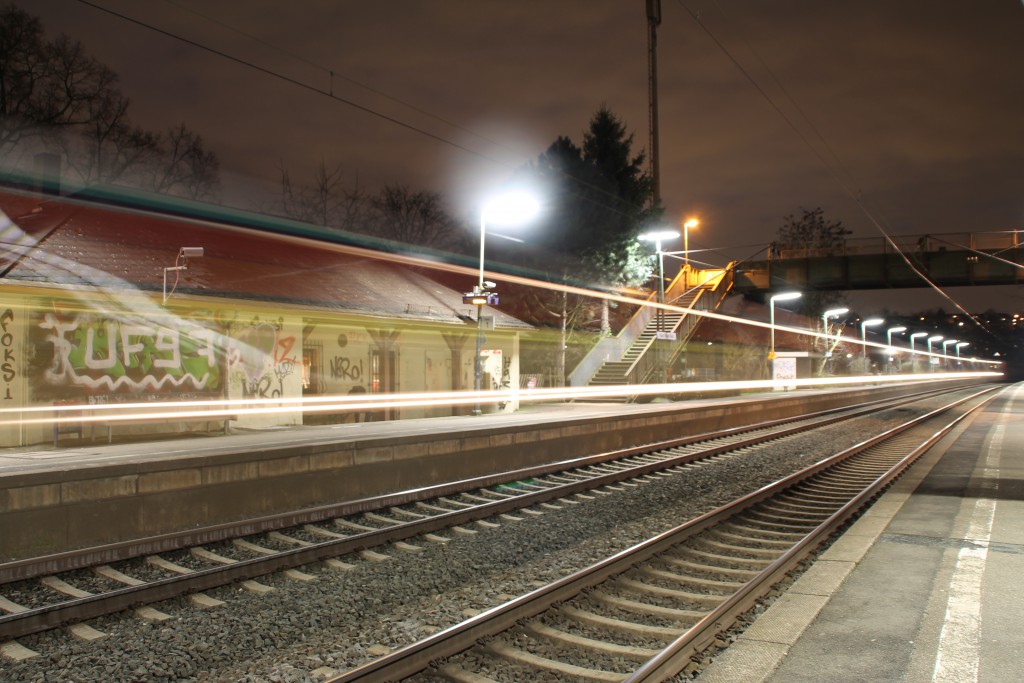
416	657
56	563
80	609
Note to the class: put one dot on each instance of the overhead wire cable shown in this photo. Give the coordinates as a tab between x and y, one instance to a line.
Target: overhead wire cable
977	252
829	167
292	81
331	95
333	73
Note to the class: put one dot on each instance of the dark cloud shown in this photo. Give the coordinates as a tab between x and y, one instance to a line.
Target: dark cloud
918	103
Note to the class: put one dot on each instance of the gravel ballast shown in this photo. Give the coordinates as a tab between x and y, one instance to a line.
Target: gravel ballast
346	618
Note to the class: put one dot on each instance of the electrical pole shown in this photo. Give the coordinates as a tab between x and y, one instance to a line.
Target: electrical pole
653	20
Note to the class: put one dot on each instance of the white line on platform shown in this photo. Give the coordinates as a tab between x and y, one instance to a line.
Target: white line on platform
959	653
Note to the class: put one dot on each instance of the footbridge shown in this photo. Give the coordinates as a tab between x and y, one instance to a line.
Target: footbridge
948	260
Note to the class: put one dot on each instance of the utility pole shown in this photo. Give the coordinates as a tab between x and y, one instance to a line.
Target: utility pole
653	20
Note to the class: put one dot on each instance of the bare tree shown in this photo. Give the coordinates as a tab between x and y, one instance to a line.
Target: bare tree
55	96
110	146
44	86
184	166
812	230
416	218
325	201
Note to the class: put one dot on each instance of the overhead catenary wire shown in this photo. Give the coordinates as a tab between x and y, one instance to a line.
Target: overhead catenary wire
833	169
329	93
334	74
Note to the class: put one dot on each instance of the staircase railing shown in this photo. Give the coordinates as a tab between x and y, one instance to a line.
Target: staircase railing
647	363
612	348
715	288
707	287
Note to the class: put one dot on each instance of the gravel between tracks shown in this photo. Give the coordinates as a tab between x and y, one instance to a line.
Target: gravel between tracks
345	618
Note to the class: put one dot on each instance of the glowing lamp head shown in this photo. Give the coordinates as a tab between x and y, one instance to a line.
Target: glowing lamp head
658	235
511	208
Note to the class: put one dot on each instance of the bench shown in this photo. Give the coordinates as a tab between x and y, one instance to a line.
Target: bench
77	426
67	427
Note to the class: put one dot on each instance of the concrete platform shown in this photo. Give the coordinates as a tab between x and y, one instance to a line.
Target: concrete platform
53	500
926	586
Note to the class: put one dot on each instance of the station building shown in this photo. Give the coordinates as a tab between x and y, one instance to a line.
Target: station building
108	304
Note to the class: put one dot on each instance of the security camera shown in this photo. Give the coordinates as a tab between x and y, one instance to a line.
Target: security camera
190	252
488	284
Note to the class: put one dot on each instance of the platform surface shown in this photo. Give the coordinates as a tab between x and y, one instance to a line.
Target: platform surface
97	453
928	586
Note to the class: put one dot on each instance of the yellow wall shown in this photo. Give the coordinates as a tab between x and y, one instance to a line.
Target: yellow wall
93	347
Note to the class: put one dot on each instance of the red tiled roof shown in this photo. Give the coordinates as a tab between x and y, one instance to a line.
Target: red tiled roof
57	241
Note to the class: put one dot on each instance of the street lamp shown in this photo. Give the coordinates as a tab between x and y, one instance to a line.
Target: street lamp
958	345
831	313
690	223
657	236
914	336
864	338
511	208
785	296
935	338
913	359
888	340
888	333
944	352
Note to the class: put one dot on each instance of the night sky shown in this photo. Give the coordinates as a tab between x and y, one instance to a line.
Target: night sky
913	107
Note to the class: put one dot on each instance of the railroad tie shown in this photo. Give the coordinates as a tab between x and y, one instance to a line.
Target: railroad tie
14	651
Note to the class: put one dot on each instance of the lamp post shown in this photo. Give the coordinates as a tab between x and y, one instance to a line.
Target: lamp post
657	236
864	339
888	339
512	208
935	338
831	313
687	225
958	345
888	333
946	343
913	358
785	296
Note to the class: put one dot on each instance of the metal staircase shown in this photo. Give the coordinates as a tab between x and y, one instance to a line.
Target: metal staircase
639	363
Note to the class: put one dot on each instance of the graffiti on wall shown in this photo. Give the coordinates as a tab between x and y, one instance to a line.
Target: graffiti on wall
261	356
345	368
8	369
108	355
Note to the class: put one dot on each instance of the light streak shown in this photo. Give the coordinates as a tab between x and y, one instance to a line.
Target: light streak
132	412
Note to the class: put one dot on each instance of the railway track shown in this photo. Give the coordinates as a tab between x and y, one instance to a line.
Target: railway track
643	614
42	599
